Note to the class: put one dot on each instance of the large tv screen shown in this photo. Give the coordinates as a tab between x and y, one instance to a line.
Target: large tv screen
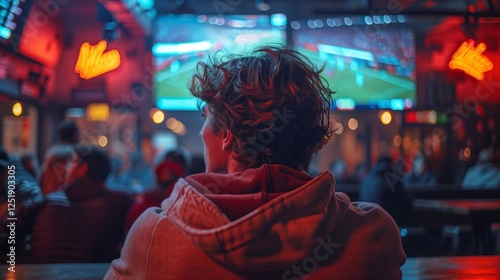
181	41
369	61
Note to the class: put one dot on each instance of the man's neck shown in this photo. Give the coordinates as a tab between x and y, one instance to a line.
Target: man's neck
234	166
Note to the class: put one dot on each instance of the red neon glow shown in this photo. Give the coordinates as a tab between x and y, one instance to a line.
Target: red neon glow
471	60
93	61
411	117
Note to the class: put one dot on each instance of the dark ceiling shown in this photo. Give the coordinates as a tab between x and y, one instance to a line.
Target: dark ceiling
423	14
308	8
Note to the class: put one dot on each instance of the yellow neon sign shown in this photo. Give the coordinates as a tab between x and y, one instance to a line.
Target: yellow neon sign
471	60
93	61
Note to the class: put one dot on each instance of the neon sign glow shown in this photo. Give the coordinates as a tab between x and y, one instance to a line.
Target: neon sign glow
93	61
471	60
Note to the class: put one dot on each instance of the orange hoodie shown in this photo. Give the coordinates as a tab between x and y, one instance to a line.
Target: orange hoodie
271	222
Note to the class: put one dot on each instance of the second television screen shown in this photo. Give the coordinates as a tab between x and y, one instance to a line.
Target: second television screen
368	65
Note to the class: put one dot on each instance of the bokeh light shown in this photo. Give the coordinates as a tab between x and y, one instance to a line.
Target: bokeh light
353	124
397	140
386	118
17	109
158	116
467	153
103	141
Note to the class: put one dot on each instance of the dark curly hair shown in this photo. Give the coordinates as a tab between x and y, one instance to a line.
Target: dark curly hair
273	101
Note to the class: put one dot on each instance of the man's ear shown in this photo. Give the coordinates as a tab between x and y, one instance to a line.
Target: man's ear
227	141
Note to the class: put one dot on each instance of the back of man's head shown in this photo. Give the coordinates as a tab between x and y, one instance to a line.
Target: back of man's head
273	101
99	164
68	132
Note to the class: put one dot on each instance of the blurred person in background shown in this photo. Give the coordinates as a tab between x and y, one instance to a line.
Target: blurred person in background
140	175
31	165
124	145
54	168
421	175
341	174
173	166
27	200
27	191
197	164
68	134
256	213
117	179
384	187
484	174
82	222
360	172
56	156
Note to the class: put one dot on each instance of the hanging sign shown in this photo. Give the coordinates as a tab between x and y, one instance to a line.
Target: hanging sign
471	60
93	61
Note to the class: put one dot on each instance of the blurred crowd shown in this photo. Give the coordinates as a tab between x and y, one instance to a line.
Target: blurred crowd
389	181
78	204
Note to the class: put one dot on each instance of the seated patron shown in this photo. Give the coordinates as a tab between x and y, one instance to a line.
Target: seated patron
54	167
172	167
421	176
139	175
384	187
82	222
30	164
20	189
483	175
256	213
117	179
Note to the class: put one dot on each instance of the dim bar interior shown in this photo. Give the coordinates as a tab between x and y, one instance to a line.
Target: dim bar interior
417	81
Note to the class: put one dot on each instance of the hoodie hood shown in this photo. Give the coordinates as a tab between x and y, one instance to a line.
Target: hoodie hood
255	219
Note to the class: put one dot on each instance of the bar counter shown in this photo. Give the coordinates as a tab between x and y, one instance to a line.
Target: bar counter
467	267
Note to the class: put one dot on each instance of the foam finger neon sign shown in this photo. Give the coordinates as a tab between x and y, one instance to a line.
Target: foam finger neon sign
471	60
93	61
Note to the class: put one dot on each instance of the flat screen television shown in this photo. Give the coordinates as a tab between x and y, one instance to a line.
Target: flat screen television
13	15
181	41
369	60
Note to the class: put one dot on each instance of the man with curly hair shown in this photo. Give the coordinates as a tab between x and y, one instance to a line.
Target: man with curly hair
256	213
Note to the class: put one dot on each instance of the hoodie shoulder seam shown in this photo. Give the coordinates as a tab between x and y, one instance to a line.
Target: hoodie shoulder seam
151	241
381	214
